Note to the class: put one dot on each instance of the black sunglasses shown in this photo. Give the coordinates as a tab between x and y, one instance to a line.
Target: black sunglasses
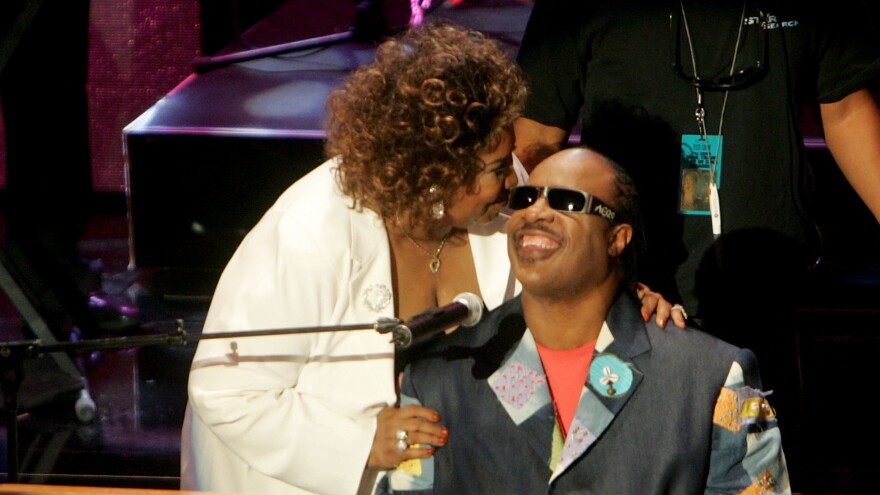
737	80
566	200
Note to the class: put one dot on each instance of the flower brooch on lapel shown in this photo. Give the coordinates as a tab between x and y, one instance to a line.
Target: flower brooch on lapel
610	376
377	297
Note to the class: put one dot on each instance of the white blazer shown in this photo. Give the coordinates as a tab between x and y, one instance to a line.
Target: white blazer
296	414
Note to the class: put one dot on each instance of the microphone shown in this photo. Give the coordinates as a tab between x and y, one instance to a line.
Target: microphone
465	309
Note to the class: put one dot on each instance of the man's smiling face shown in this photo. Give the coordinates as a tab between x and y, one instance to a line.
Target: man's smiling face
559	254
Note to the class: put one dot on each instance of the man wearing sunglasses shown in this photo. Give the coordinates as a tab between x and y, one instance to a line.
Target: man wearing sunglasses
565	389
721	91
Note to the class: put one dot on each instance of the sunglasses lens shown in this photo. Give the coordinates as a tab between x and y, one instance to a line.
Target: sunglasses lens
740	79
559	199
566	200
522	197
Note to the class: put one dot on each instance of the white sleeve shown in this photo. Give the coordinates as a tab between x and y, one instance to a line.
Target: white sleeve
522	176
296	408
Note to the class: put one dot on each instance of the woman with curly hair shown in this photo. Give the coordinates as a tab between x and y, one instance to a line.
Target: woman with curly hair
403	217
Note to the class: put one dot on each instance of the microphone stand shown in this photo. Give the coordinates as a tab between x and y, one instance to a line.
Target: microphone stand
370	23
13	354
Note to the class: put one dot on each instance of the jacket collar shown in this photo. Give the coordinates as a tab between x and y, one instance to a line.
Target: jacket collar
521	386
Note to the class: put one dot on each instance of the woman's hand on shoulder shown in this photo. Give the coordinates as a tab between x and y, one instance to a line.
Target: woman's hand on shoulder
653	303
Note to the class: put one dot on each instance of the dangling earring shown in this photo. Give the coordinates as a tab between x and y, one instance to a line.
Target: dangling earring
438	209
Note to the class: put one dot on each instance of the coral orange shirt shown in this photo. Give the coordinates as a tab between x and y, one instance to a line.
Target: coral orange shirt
566	372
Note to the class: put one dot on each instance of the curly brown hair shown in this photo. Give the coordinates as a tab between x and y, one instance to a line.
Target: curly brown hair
433	99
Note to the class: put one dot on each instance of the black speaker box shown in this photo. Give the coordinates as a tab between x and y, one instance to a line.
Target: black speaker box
194	197
207	160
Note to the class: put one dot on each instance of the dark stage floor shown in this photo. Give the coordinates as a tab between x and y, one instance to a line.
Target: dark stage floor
139	392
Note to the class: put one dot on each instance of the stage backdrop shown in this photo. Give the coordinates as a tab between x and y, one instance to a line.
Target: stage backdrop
139	50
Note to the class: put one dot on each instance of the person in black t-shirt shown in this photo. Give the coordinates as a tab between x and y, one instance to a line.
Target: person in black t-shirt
717	88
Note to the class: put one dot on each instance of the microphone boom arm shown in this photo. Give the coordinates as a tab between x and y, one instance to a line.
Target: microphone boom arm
13	354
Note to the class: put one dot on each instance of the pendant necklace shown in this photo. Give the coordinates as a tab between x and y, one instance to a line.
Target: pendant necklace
434	264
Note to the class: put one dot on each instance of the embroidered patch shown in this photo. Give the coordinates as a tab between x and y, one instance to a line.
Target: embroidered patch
610	376
726	411
517	384
757	408
763	485
577	441
743	406
377	297
754	408
411	466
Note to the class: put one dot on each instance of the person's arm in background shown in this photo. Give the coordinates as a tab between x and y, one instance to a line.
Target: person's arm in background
536	141
852	133
554	66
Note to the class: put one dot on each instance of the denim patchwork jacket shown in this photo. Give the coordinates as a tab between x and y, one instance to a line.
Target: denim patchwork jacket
662	411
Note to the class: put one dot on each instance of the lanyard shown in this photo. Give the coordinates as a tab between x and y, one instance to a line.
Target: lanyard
700	115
